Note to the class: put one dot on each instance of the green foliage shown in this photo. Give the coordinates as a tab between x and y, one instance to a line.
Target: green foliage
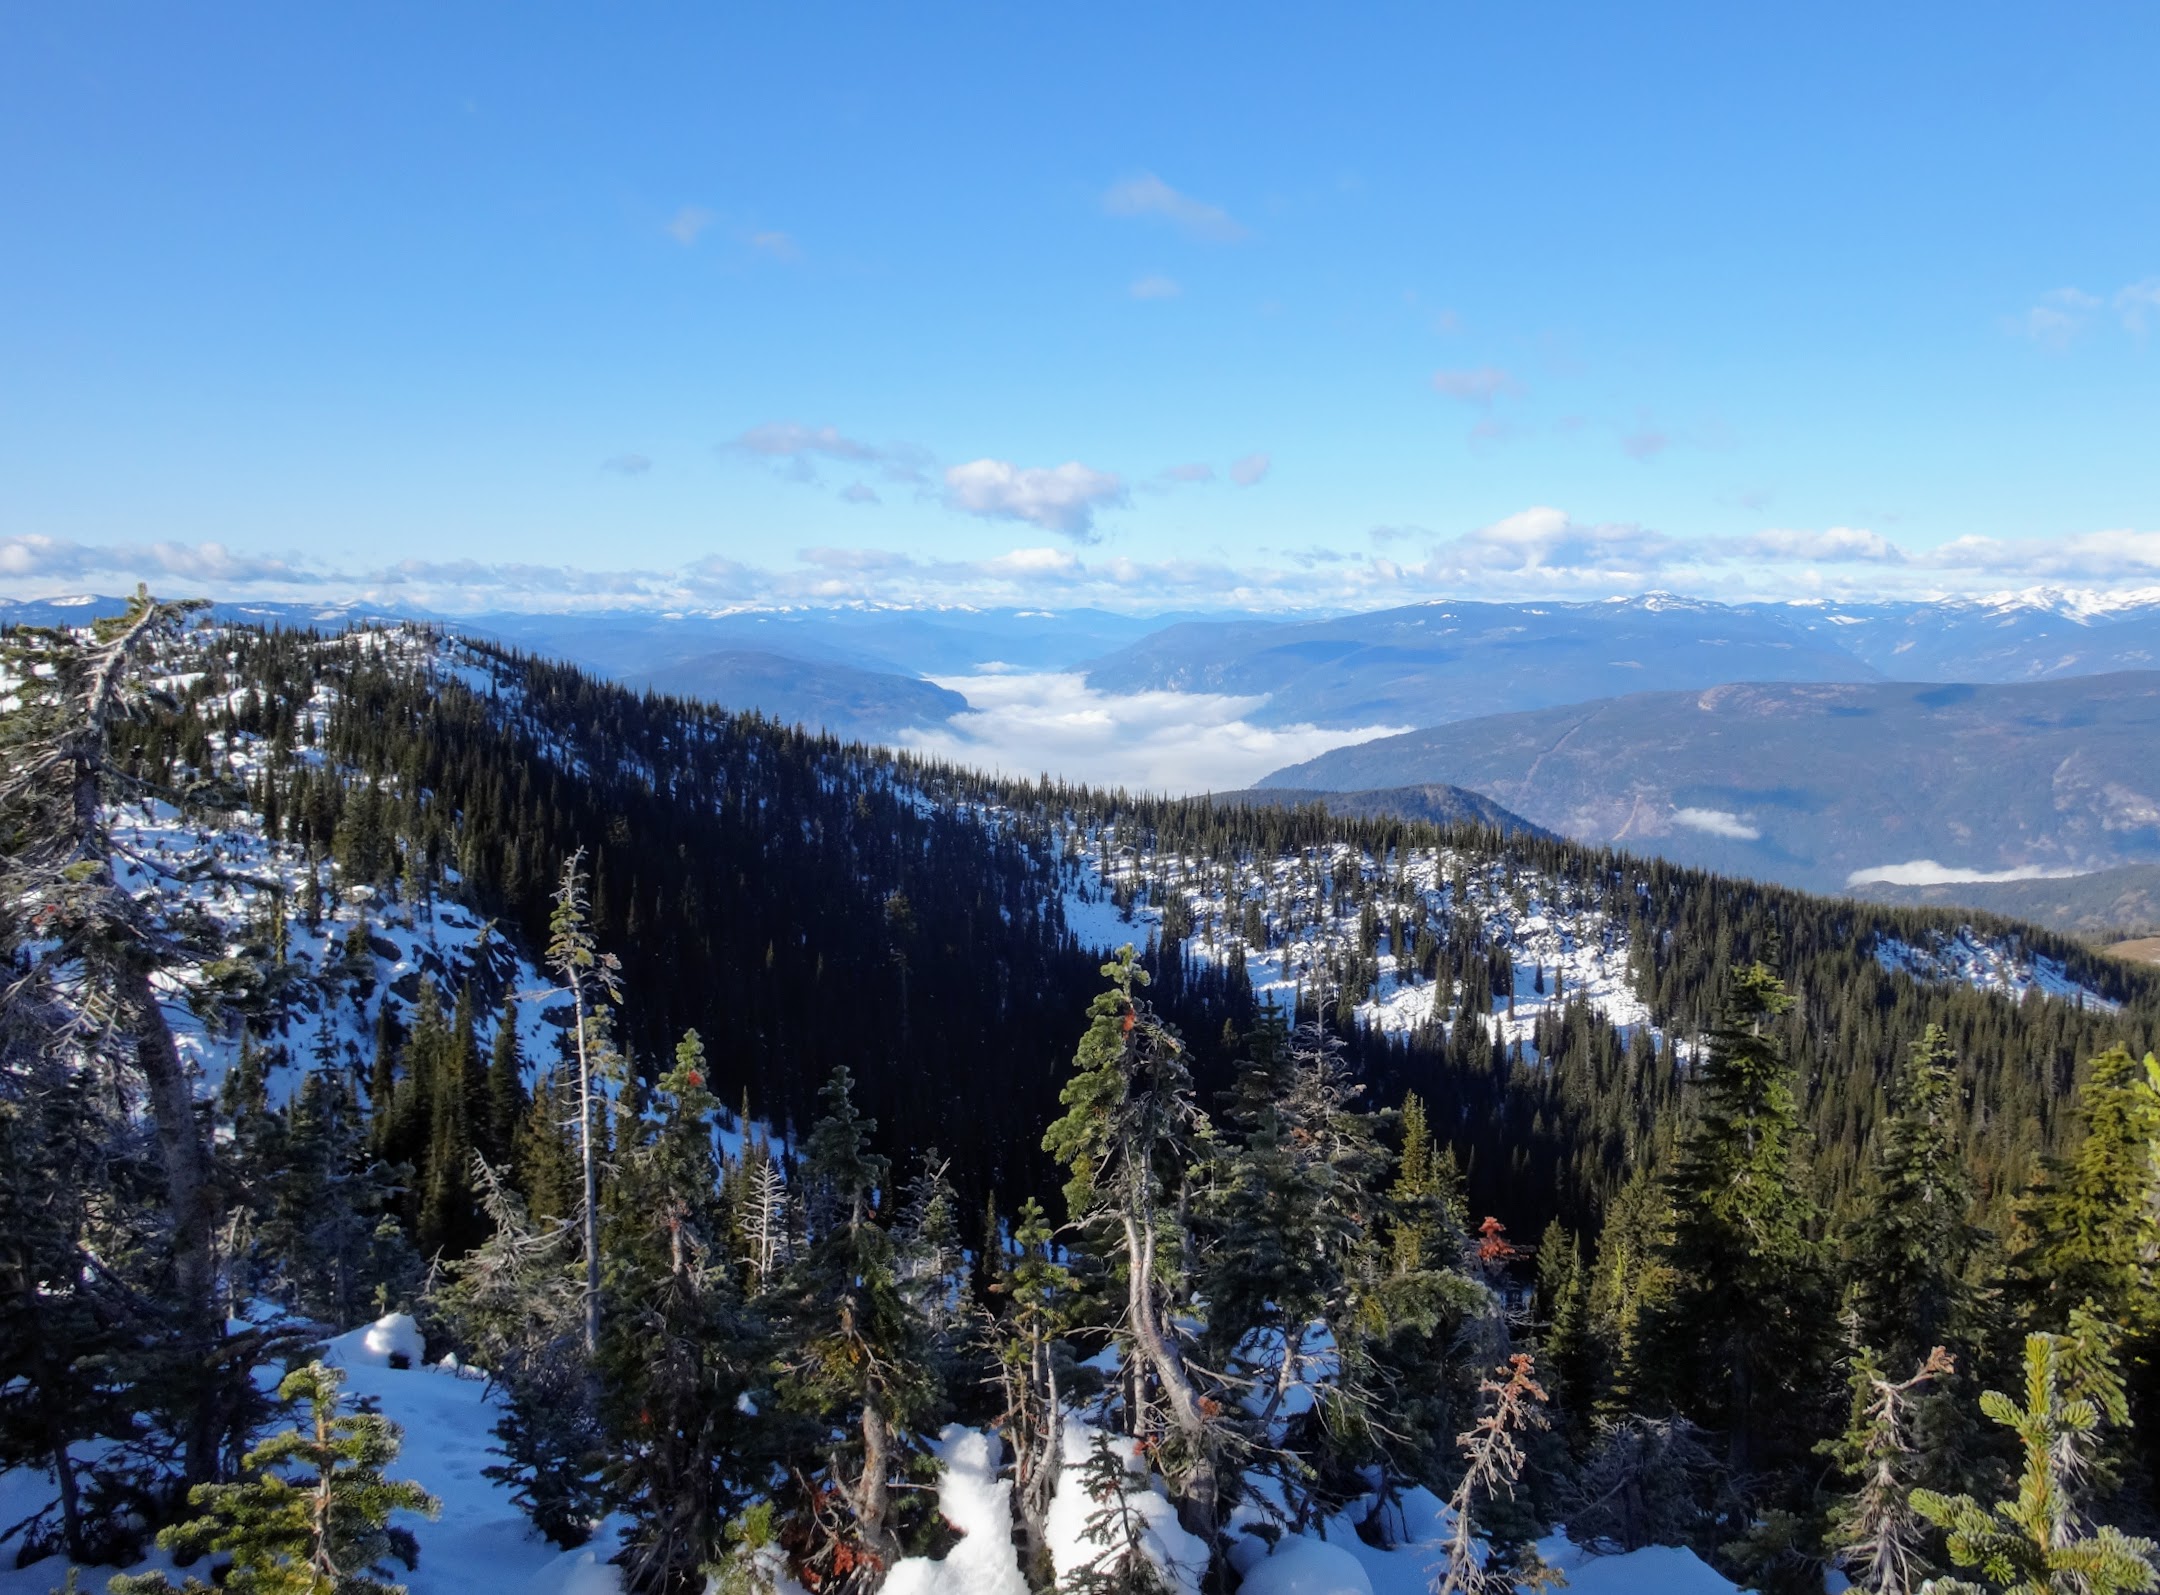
1749	1304
2038	1542
313	1517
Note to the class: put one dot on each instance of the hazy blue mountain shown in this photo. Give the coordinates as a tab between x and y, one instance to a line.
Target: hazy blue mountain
2121	899
1428	663
868	705
1429	804
1809	783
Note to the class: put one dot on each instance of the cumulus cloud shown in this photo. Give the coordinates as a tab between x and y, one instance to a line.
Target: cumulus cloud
2116	555
860	493
1547	541
687	223
1150	741
1717	822
1155	287
1926	872
1149	196
1058	498
626	464
1476	384
1248	471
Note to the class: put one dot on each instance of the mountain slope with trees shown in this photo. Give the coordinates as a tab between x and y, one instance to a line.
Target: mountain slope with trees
1294	1267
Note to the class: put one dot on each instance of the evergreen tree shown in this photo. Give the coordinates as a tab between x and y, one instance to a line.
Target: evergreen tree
592	978
852	1357
1748	1300
1874	1533
1127	1141
1910	1249
1039	1295
313	1518
2039	1542
505	1088
678	1350
516	1305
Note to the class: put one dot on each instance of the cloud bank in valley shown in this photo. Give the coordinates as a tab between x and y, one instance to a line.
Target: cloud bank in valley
1173	742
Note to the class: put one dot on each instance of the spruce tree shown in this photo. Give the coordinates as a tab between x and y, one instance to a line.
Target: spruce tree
2040	1542
1749	1301
1910	1249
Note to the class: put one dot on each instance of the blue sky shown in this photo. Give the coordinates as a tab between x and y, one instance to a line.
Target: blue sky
1152	307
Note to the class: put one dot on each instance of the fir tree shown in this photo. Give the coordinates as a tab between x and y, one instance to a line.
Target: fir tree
505	1088
678	1349
853	1351
1039	1297
1126	1139
592	979
314	1517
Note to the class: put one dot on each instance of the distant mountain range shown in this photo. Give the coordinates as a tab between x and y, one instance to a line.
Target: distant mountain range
1426	664
1814	784
2118	900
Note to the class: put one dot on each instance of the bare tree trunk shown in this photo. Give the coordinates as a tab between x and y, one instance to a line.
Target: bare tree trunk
592	1178
873	1496
1198	1490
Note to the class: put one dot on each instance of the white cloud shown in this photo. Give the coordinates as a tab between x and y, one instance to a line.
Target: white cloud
860	493
1155	287
1831	545
1926	872
1248	471
1717	822
1476	384
687	223
1197	471
794	449
780	439
2137	303
777	245
35	557
1058	498
1645	442
1149	196
626	464
1547	542
1149	741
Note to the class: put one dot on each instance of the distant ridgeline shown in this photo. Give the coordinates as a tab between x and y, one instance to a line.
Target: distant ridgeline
805	904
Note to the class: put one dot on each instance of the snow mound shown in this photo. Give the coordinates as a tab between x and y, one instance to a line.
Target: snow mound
1180	1558
974	1500
374	1345
1663	1569
1307	1567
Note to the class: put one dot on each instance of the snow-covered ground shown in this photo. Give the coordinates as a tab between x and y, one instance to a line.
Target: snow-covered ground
480	1542
2002	966
1561	950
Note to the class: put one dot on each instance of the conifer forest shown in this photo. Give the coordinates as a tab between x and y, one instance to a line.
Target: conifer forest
840	1171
